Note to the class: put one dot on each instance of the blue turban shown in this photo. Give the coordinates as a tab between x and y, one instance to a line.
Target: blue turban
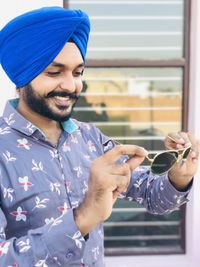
30	42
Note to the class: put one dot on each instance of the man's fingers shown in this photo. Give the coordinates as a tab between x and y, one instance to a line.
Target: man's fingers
135	162
177	140
122	182
114	154
195	147
120	169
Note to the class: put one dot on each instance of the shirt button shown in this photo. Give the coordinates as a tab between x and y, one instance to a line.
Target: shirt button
69	255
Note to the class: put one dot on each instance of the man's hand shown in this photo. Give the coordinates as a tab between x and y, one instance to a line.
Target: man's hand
107	180
182	172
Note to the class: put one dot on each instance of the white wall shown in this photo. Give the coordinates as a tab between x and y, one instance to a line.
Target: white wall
9	9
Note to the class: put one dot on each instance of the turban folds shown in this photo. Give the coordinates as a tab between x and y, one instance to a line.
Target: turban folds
30	42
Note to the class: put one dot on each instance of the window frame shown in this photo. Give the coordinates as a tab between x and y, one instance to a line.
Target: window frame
183	63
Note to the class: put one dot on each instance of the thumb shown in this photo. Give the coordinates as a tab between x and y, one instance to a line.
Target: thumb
136	160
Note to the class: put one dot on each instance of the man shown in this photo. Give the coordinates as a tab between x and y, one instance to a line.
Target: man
60	177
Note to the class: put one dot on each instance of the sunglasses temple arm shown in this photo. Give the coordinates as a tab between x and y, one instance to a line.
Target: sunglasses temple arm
147	157
171	138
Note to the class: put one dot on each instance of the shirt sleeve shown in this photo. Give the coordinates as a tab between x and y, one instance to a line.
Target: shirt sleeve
58	243
155	193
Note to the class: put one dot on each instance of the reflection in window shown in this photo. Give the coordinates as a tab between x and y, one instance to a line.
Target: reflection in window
134	29
132	104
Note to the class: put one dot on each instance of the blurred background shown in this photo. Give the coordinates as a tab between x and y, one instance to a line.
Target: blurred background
141	81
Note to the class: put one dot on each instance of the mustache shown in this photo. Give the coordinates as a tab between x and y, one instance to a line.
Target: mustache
62	94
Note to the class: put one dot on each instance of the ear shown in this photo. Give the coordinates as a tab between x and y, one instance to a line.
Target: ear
19	91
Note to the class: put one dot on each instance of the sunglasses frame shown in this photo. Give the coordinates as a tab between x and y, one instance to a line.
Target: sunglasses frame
177	151
172	152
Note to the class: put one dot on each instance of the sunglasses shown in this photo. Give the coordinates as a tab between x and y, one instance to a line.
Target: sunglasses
162	162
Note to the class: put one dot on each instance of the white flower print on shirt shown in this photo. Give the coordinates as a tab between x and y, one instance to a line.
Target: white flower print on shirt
68	186
24	245
100	232
77	237
37	166
40	204
7	193
4	130
4	246
25	183
10	120
138	183
53	153
2	233
8	156
23	143
91	146
78	171
48	221
64	208
19	214
42	263
140	200
14	265
74	139
66	147
85	188
54	187
95	252
54	222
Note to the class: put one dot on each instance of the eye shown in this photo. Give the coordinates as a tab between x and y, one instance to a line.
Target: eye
53	73
78	73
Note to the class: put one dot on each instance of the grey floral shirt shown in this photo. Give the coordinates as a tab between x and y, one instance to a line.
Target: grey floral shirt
40	185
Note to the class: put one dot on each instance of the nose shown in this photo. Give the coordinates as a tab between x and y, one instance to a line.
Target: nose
67	83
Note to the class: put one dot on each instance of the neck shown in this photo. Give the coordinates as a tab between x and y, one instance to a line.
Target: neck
50	128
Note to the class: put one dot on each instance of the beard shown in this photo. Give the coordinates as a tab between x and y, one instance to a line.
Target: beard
40	104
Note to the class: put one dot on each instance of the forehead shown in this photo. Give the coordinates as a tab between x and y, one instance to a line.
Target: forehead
69	55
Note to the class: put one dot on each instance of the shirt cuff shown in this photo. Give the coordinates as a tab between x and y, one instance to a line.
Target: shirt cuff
64	240
180	197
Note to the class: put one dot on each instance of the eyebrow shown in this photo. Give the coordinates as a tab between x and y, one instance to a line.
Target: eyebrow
60	65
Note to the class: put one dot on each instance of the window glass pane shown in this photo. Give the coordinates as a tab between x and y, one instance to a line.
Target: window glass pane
133	105
134	29
138	106
130	229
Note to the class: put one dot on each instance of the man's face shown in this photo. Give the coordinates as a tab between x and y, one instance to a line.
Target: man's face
54	92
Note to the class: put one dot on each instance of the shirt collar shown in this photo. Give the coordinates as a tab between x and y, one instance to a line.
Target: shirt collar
15	120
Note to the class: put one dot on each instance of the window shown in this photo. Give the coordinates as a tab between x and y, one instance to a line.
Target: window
136	91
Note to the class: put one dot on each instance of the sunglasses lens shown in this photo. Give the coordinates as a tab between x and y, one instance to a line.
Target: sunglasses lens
186	153
163	162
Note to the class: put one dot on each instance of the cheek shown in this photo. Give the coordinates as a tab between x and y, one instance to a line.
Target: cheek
79	86
43	86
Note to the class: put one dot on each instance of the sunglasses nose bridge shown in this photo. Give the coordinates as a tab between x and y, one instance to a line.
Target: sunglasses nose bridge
184	154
